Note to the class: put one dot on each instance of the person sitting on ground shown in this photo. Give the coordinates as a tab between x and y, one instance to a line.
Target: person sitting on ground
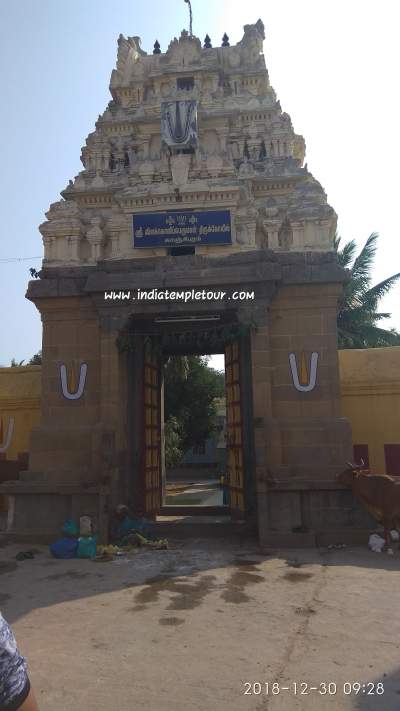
16	693
123	525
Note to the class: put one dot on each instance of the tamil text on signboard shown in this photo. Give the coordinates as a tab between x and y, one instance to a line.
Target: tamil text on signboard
187	228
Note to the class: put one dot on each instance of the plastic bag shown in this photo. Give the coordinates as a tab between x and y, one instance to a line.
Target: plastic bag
376	543
70	529
87	547
85	526
64	548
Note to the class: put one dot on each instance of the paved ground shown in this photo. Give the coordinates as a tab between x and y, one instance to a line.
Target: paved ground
199	493
186	628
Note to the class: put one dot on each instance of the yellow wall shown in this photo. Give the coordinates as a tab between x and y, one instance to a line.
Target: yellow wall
20	399
370	388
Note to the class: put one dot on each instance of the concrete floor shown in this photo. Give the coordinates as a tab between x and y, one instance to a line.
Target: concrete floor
202	493
184	629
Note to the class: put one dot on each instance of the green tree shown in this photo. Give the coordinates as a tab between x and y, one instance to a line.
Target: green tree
358	318
173	442
16	364
36	359
191	388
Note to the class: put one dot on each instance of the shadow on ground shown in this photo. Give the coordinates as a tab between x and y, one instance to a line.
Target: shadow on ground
44	581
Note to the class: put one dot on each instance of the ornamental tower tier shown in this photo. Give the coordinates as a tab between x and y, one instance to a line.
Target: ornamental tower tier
192	129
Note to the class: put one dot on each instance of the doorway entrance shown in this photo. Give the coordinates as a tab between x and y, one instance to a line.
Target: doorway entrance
194	435
224	485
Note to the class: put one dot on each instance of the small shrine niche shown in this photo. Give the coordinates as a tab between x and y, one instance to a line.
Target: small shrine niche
285	234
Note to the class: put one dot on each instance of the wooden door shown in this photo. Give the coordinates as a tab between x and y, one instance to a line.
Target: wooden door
234	431
392	459
151	453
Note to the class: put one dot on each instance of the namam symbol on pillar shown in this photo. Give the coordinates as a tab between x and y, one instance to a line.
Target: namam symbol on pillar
5	439
72	384
306	380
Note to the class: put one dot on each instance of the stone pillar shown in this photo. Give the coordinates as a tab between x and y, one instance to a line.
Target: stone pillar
95	237
113	407
296	383
262	405
61	447
298	235
48	243
65	467
222	135
303	322
272	227
74	242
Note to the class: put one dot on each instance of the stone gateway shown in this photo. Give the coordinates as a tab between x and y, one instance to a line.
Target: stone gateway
192	180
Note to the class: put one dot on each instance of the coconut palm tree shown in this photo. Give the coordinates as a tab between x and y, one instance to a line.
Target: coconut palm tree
16	364
358	319
36	359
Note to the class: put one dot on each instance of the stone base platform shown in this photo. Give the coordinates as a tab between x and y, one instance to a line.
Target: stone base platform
37	511
293	514
306	513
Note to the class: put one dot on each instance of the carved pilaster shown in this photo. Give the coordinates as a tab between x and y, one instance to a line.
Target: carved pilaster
95	237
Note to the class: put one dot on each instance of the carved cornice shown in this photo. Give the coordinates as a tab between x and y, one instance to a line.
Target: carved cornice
90	198
217	198
265	185
123	128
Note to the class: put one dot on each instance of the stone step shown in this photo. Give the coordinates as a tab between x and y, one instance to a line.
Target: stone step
202	527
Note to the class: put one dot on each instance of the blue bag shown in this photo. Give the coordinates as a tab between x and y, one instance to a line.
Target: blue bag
87	547
70	529
64	548
134	524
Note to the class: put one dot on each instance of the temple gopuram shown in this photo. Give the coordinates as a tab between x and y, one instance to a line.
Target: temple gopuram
193	183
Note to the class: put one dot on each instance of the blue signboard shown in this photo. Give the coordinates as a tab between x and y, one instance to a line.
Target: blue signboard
182	229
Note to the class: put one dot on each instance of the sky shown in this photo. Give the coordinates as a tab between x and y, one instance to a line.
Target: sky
333	64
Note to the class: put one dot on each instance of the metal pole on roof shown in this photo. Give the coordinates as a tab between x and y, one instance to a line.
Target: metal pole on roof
190	18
